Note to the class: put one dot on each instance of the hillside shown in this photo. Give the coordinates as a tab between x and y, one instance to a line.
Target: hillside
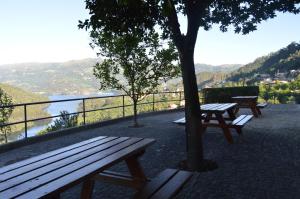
21	96
76	77
72	77
282	61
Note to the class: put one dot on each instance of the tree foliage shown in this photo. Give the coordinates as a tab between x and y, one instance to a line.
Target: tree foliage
66	120
120	17
5	113
133	64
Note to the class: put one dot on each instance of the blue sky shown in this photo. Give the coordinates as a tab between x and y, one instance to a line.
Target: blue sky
46	31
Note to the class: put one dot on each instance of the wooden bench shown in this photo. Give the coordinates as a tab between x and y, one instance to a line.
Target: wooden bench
49	174
166	185
240	122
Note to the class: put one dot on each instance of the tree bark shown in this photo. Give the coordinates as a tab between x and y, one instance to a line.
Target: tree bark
194	129
135	122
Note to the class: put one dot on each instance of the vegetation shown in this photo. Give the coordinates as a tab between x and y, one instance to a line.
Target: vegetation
284	60
33	111
5	113
142	61
282	93
106	103
145	16
64	121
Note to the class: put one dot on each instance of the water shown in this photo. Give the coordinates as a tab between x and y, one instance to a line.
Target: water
54	109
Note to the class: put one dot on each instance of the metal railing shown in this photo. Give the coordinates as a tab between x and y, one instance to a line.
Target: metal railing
84	111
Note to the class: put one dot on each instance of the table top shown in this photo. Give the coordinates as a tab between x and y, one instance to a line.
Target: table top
245	97
217	107
55	170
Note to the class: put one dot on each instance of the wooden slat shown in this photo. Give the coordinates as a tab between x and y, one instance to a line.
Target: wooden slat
238	119
173	186
245	120
262	105
58	164
87	171
207	106
180	121
47	161
156	184
47	155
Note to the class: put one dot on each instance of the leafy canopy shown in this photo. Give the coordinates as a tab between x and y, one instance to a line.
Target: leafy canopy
134	64
125	16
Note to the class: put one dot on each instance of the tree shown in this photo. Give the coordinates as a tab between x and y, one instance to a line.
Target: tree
5	113
65	120
122	16
135	65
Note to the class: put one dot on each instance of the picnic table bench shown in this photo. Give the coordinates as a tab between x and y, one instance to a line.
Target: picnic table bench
213	116
49	174
249	102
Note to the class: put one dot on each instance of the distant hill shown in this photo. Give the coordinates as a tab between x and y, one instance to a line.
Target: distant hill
218	68
283	60
72	77
207	75
33	111
76	77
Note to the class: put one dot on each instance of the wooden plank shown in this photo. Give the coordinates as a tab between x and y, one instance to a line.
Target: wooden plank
75	177
207	106
238	119
180	121
47	155
262	105
155	184
52	159
245	120
173	186
59	164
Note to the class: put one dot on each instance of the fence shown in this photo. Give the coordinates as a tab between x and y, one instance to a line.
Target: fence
177	97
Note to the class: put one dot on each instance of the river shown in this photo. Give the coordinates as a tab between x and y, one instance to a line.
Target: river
54	109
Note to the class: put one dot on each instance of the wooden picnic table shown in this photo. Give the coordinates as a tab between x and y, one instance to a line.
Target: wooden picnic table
247	102
51	173
213	115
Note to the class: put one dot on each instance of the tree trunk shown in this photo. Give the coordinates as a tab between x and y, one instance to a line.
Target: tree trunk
194	128
135	122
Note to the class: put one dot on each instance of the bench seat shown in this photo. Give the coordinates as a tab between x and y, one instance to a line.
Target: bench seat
241	120
166	185
262	105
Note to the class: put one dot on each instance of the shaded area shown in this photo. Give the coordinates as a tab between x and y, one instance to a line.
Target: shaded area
264	163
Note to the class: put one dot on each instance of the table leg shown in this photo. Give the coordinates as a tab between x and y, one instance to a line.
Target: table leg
207	119
87	189
254	110
136	169
231	114
258	110
225	128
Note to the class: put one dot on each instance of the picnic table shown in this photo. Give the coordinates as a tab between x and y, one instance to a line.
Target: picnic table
247	102
213	115
49	174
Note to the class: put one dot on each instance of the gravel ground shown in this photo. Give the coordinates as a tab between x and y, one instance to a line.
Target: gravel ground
265	163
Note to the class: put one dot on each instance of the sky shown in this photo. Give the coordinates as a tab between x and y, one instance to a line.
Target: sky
47	31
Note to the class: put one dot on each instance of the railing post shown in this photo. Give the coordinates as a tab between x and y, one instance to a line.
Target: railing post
123	105
83	109
179	98
153	102
25	119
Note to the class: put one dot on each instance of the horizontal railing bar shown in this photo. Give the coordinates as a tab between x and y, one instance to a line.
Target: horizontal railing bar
77	99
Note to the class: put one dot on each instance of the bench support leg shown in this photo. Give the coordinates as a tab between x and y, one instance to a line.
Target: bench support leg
225	128
136	169
87	189
258	110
